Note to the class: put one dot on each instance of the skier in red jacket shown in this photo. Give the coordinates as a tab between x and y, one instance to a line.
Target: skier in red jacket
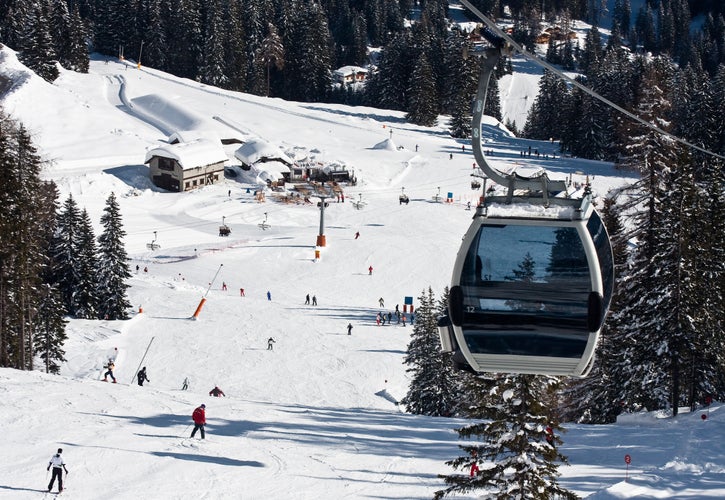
199	417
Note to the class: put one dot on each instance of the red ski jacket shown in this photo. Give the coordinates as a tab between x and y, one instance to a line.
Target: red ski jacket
199	416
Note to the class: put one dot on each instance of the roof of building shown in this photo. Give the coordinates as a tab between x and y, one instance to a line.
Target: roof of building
257	150
198	153
346	70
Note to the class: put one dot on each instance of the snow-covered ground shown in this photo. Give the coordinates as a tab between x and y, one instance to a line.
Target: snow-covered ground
314	417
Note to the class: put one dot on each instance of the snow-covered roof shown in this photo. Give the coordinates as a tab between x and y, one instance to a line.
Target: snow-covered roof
348	70
198	153
193	135
255	150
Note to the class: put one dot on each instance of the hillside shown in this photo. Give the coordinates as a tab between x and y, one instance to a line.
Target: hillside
315	417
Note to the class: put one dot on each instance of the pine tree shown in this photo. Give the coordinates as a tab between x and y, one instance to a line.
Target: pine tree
517	448
308	57
271	52
50	329
64	253
422	106
432	389
113	264
212	69
25	202
38	52
85	299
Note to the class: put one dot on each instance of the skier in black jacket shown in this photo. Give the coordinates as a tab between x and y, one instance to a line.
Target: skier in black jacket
141	375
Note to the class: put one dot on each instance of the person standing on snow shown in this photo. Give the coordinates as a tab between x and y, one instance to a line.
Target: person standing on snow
381	302
110	366
349	328
370	270
199	417
269	295
141	375
314	300
58	464
185	385
270	344
307	300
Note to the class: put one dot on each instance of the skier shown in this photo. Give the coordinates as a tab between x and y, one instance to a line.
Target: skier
185	385
241	292
224	286
141	375
403	319
381	302
314	300
349	328
216	392
270	343
370	270
199	417
110	366
58	464
307	300
357	234
390	317
377	319
269	295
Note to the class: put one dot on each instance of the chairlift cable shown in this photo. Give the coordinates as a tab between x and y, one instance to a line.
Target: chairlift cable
535	59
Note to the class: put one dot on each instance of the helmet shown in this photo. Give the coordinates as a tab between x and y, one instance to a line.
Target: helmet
203	405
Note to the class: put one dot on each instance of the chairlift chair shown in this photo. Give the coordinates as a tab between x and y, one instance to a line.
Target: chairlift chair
264	225
153	245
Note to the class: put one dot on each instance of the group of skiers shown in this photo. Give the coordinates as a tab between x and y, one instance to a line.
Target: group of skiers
381	317
307	300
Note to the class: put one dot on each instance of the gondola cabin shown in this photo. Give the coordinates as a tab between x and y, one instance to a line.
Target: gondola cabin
530	289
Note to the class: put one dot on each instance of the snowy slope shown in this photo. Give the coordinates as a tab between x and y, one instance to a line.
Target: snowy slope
315	417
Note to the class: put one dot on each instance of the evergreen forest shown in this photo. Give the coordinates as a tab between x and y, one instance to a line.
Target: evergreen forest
661	347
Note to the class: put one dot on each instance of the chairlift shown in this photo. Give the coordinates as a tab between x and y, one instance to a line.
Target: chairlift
437	197
224	230
403	198
533	278
359	204
264	225
153	245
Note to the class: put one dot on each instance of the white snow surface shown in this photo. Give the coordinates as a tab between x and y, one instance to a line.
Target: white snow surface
314	418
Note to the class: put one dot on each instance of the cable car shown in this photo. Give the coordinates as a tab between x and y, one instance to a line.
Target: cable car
534	276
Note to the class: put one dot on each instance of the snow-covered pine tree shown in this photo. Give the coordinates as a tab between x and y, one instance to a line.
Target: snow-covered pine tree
38	50
86	294
594	399
516	455
423	103
212	69
388	87
50	329
113	264
235	47
308	56
64	253
551	98
433	386
271	52
658	338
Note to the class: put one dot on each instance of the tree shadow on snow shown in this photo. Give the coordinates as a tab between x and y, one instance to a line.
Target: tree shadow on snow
208	459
